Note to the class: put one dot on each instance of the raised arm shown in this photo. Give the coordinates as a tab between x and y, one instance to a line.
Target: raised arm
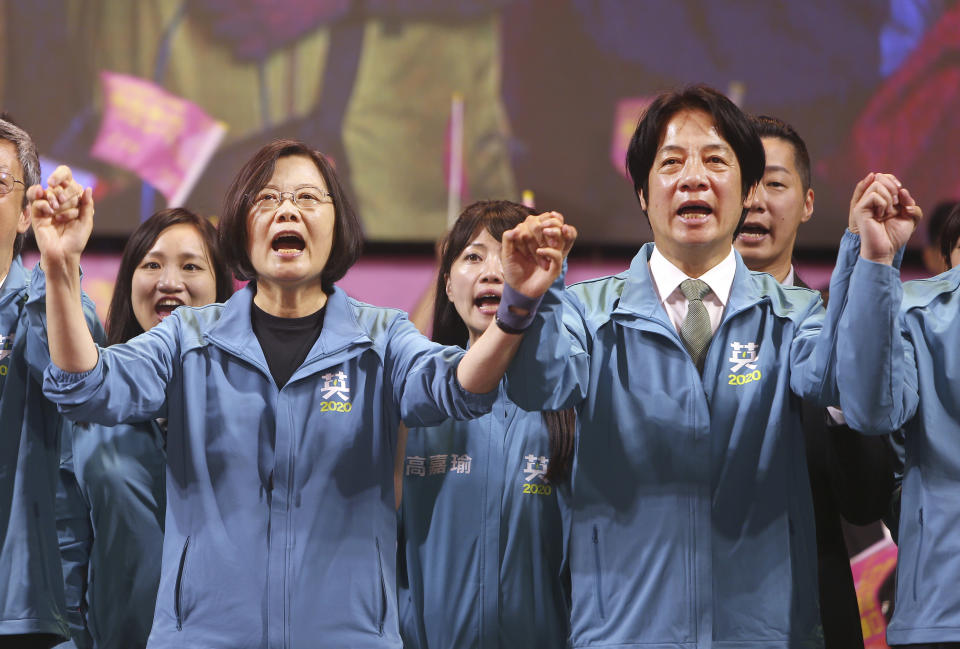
62	217
532	254
876	377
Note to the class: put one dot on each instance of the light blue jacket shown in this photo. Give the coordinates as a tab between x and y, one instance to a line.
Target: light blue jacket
692	524
118	475
281	525
928	400
483	538
31	581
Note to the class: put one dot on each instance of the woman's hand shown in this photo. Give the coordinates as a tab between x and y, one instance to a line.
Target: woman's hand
62	217
532	253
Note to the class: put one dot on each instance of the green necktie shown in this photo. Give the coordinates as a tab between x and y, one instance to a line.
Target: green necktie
695	330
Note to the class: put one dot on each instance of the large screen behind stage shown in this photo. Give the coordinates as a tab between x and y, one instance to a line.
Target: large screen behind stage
536	95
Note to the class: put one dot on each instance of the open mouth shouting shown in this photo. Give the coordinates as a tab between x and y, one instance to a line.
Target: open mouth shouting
694	212
753	233
487	302
166	305
288	243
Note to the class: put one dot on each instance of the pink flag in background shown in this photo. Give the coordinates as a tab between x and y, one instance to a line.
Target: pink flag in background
164	139
624	124
870	570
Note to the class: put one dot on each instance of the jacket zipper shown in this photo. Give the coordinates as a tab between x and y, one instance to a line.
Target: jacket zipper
916	564
599	581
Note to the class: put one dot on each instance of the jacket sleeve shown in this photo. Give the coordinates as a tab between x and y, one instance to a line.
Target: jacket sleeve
875	368
423	378
127	384
37	350
551	369
854	355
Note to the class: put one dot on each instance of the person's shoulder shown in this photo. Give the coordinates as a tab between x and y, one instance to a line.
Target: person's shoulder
942	289
786	301
189	324
374	320
599	294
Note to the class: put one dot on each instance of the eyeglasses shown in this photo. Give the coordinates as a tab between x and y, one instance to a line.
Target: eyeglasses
7	182
305	198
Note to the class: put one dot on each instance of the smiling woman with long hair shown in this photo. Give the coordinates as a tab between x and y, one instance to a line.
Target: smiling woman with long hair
482	547
282	407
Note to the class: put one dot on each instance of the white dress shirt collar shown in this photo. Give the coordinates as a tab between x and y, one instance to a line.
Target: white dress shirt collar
667	278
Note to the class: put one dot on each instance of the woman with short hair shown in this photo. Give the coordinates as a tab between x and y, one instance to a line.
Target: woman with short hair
282	406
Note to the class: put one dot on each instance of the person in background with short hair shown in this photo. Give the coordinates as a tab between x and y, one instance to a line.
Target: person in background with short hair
932	257
852	476
282	407
171	260
481	554
32	607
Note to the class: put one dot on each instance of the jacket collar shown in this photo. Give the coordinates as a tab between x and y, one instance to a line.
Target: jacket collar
640	299
16	277
15	282
339	338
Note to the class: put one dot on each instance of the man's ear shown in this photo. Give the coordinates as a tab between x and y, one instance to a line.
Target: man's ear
807	206
643	201
23	221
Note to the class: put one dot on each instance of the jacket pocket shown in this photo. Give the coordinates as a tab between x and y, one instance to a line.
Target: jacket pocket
382	614
917	559
598	572
178	586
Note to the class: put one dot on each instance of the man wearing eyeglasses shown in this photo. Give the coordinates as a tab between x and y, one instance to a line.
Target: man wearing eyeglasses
32	610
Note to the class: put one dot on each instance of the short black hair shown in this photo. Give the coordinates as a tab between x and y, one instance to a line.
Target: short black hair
254	176
122	324
936	221
768	126
732	124
950	234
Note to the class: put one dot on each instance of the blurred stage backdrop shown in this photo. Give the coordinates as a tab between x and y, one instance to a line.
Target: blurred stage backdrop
426	105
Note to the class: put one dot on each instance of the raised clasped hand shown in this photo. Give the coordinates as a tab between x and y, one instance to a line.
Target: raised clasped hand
884	214
61	216
532	253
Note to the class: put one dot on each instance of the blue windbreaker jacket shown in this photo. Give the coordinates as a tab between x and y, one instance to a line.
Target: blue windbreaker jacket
281	526
483	541
118	474
31	581
927	378
692	524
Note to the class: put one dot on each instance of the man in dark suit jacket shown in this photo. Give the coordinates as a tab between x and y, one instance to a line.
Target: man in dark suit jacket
851	475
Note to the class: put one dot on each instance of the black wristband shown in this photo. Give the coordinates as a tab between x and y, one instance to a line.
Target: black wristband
504	327
509	321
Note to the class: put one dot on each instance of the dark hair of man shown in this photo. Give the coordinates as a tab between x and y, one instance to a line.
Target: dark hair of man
732	124
936	221
773	127
122	324
254	176
950	234
29	162
496	217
